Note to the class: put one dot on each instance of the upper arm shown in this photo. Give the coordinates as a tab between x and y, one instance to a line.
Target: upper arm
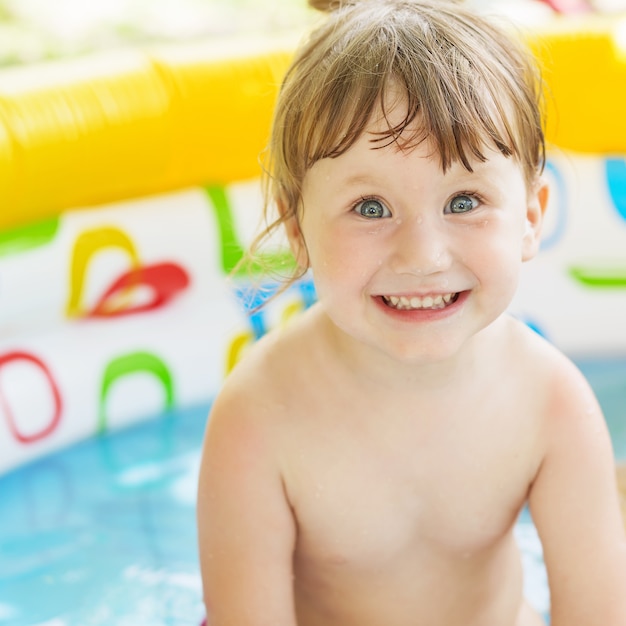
246	529
575	506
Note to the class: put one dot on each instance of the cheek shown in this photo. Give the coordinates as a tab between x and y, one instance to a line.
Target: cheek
341	264
330	249
504	266
499	254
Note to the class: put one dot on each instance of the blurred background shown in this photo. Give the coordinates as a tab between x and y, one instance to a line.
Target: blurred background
35	30
129	190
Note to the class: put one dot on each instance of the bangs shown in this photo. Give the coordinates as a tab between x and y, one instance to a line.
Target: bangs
464	88
456	110
455	137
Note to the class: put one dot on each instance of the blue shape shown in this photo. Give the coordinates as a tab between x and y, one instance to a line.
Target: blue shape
534	326
307	291
615	169
561	207
253	296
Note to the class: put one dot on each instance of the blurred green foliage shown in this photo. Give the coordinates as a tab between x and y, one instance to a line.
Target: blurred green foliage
36	30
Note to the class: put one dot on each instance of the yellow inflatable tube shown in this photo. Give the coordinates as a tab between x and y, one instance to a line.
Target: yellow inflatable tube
124	125
129	124
584	66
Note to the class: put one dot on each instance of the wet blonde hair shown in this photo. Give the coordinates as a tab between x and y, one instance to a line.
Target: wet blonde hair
470	84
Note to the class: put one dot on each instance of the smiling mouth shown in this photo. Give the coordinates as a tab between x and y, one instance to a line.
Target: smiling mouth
413	303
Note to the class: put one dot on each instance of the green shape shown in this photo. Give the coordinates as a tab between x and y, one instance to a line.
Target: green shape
25	238
131	364
232	251
600	278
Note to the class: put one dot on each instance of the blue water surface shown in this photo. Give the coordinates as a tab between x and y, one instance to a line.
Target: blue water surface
104	531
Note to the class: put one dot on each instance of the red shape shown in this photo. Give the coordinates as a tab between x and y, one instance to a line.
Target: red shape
56	418
165	280
568	6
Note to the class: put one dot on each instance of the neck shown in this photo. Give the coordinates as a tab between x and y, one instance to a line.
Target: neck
373	369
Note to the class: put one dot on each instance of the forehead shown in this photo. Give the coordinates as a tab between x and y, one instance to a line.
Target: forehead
380	140
369	168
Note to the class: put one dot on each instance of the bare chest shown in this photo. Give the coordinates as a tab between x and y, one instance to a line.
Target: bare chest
431	490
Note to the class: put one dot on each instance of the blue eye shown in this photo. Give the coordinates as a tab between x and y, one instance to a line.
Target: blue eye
462	204
372	209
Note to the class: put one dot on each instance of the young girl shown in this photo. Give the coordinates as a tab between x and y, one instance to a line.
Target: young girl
365	466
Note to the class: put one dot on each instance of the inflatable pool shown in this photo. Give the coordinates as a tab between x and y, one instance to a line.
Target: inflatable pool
130	186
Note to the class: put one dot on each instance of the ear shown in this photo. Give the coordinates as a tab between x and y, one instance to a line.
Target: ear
294	235
535	210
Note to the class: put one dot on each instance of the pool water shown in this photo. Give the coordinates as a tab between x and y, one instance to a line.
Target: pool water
104	532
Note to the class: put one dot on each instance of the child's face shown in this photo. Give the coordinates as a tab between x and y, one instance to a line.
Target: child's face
407	259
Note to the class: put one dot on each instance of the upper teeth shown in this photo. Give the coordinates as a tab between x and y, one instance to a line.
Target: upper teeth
416	302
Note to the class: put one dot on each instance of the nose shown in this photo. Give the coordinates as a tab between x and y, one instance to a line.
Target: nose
421	247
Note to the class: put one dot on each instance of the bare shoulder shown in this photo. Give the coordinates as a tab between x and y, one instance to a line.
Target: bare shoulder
267	385
552	374
271	364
